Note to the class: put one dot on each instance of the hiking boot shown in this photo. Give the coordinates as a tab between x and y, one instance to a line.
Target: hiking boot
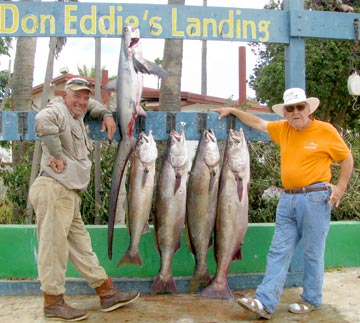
111	299
55	308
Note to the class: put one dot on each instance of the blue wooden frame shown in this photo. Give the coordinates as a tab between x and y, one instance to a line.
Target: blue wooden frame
20	126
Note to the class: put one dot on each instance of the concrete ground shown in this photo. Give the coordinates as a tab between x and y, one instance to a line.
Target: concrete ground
340	305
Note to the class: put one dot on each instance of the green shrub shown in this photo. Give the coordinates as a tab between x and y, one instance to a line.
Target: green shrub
265	173
6	211
16	180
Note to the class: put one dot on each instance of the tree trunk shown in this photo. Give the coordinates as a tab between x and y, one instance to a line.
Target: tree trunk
22	86
170	89
44	99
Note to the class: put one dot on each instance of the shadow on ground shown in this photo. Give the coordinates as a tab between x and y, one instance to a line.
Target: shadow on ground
341	294
195	309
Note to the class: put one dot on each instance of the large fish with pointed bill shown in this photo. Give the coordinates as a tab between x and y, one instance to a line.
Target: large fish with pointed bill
128	87
169	220
141	189
232	212
202	191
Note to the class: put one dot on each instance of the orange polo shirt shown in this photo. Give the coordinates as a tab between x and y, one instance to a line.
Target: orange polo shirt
306	155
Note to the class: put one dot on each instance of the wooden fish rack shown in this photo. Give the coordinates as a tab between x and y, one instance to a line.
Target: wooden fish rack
20	125
290	27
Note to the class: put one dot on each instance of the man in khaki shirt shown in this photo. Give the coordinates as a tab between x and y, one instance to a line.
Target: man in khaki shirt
65	172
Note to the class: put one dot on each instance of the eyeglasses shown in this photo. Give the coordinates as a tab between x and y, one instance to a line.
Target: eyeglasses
291	108
79	82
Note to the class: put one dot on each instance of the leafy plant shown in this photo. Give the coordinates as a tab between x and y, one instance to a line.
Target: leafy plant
265	174
17	182
6	211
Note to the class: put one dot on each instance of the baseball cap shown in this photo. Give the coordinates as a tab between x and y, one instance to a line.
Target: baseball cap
78	83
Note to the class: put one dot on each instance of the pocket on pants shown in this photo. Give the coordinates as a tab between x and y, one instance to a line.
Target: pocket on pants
318	197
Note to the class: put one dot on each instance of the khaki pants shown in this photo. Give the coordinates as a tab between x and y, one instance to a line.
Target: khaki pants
62	236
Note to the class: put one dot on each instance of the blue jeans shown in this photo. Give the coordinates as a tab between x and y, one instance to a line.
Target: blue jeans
303	216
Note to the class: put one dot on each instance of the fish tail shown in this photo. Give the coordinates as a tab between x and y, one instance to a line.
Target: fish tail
131	259
162	285
216	290
199	280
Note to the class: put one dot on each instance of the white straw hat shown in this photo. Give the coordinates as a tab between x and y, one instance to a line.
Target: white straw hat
294	96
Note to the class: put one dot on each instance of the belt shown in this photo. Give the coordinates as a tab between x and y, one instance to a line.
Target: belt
305	190
44	173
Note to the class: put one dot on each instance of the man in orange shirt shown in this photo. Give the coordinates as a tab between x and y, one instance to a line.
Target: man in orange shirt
307	148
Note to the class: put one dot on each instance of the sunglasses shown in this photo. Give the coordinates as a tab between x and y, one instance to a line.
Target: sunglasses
80	82
291	108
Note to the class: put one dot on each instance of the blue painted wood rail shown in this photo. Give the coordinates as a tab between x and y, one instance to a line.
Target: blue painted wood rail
20	125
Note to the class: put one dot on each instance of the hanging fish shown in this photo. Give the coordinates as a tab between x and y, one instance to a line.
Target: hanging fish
128	87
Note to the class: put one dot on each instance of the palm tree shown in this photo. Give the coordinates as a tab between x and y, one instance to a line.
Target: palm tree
56	44
170	89
23	74
55	47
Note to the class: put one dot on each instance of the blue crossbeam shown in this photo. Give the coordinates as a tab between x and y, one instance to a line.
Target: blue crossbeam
18	126
75	19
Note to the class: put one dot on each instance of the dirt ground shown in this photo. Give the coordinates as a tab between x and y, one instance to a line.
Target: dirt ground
340	305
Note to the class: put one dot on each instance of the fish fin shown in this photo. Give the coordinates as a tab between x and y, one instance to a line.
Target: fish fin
240	187
132	145
146	228
216	290
137	111
188	240
146	67
177	182
155	234
238	255
210	242
139	67
111	86
144	177
199	280
162	285
129	259
124	151
212	180
141	112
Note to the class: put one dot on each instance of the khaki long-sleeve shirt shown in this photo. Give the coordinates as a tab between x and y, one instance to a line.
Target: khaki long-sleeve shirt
64	136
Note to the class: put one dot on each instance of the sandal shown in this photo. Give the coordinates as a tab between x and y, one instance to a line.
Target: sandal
301	307
255	306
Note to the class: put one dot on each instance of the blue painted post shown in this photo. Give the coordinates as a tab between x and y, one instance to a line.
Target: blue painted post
295	50
295	77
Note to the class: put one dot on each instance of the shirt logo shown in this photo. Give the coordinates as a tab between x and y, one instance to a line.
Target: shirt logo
311	145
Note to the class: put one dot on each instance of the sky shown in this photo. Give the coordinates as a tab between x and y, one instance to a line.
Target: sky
222	56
